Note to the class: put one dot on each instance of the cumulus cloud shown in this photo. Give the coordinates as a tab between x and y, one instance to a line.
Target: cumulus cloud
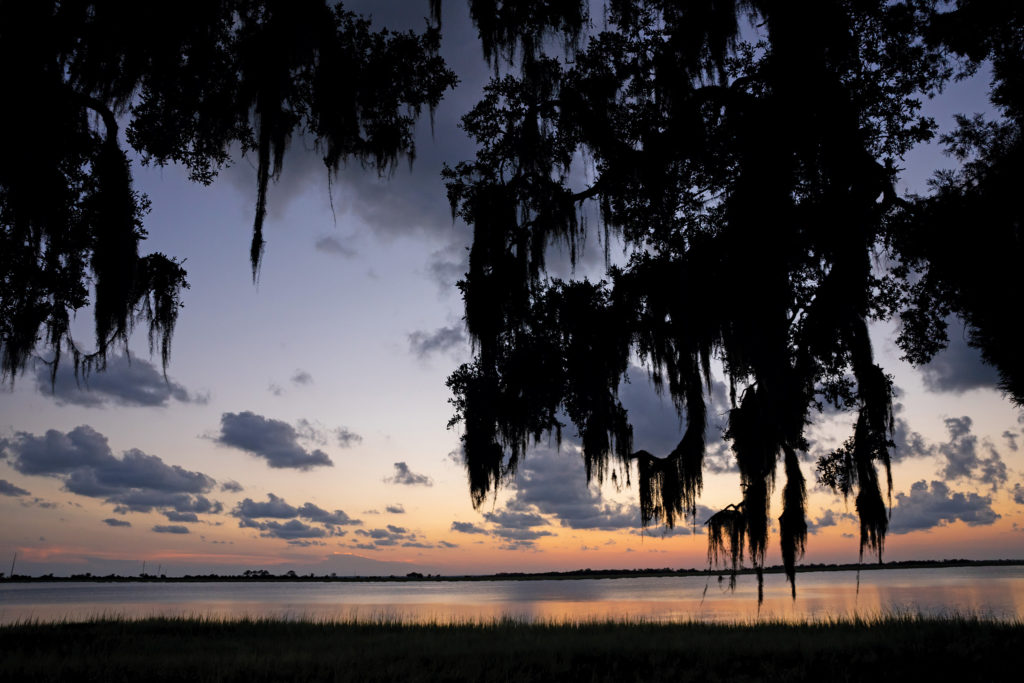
275	441
136	481
113	521
926	508
124	382
318	514
231	486
250	513
175	516
442	339
170	529
273	507
1018	494
291	529
555	483
403	475
906	442
520	535
9	489
391	535
958	368
551	487
302	377
395	509
515	520
962	459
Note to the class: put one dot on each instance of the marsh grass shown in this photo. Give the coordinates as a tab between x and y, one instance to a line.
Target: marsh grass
386	649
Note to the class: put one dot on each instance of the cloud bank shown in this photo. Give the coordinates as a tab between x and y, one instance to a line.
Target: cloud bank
135	482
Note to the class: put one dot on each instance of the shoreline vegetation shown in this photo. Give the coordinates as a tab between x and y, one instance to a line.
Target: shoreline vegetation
256	650
263	575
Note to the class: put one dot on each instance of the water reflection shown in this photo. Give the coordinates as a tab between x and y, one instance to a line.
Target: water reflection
987	592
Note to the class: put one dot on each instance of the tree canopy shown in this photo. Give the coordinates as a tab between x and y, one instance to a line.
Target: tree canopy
745	155
192	83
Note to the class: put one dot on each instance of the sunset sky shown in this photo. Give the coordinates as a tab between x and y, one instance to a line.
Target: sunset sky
304	422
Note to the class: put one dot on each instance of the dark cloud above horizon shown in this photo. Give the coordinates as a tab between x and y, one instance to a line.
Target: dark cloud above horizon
390	535
135	482
926	508
113	521
468	528
175	516
124	382
440	340
554	482
1018	494
255	515
170	529
906	442
958	368
9	489
274	507
231	486
396	509
291	530
963	460
550	488
275	441
406	477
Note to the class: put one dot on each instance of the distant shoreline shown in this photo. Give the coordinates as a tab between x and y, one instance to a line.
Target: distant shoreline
263	576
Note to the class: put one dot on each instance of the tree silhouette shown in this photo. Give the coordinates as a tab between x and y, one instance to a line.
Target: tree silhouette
941	271
188	82
749	175
744	153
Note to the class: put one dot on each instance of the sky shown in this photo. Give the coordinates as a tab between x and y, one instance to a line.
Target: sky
303	424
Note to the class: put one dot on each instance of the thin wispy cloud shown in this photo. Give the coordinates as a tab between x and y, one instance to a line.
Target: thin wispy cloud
442	339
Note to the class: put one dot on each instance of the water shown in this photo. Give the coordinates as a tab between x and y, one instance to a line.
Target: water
985	592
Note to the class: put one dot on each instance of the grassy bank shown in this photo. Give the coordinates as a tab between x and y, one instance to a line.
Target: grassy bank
262	650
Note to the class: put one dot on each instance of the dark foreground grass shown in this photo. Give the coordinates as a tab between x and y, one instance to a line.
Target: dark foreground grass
254	651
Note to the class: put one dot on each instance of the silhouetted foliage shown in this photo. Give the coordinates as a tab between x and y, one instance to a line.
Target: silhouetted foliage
191	82
745	155
962	246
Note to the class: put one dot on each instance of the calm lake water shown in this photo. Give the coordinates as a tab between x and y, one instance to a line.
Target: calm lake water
986	592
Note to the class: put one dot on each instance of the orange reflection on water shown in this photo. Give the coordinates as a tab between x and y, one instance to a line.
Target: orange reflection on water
986	592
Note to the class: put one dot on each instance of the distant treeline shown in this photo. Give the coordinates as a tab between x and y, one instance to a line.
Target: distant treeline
262	575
